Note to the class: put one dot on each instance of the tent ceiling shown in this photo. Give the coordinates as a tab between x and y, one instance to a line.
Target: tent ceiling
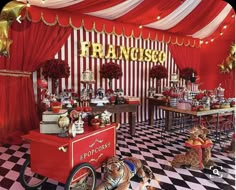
203	19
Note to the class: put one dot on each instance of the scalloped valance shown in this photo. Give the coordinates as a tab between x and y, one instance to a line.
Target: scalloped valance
90	23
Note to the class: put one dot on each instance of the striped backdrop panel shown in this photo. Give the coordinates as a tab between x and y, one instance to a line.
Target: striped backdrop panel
135	80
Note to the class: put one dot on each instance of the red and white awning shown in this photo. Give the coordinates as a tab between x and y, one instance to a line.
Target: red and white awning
202	19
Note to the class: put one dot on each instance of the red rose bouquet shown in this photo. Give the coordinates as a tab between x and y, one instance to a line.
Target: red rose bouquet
187	73
166	93
56	68
111	71
158	72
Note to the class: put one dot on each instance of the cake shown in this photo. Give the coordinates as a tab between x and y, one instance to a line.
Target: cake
87	76
49	116
49	123
174	77
50	128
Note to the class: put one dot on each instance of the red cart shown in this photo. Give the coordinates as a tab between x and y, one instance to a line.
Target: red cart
71	161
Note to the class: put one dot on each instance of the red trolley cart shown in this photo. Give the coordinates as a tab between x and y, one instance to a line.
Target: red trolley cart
71	161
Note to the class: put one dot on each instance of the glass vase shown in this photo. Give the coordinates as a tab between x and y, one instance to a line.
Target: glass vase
158	85
109	83
55	86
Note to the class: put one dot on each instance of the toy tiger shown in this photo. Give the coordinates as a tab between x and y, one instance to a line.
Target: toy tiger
119	172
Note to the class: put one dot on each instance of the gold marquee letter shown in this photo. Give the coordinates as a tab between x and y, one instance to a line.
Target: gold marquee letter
162	57
134	54
124	52
141	51
154	56
148	55
111	52
97	50
84	49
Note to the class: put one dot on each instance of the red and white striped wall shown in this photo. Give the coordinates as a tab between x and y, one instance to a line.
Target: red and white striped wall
135	80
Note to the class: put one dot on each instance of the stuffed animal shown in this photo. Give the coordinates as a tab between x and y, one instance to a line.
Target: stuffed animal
193	157
118	173
206	148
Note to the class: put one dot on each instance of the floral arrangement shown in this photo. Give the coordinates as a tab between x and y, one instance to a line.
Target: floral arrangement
187	72
111	70
112	99
56	68
166	93
199	96
83	109
158	72
171	93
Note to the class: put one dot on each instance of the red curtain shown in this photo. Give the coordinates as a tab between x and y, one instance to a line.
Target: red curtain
32	44
212	55
185	56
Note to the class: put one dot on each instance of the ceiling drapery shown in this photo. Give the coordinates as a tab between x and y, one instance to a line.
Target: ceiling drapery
201	19
90	23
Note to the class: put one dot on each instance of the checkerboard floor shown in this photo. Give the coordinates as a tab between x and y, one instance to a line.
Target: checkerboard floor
148	147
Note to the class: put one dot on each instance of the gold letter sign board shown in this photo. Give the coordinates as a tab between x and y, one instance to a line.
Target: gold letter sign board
96	50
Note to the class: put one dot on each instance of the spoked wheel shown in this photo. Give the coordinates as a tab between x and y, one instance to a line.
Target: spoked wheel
29	179
82	177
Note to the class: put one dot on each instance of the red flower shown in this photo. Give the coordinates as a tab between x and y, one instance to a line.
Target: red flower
111	71
112	98
199	96
56	68
187	72
166	93
79	109
158	72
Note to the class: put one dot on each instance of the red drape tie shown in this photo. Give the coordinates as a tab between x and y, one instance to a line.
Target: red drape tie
14	73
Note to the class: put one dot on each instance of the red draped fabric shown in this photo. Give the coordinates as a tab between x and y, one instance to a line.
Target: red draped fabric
91	5
185	56
140	14
77	20
199	17
32	44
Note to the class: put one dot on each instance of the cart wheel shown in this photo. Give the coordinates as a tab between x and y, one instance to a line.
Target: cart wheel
29	179
82	177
